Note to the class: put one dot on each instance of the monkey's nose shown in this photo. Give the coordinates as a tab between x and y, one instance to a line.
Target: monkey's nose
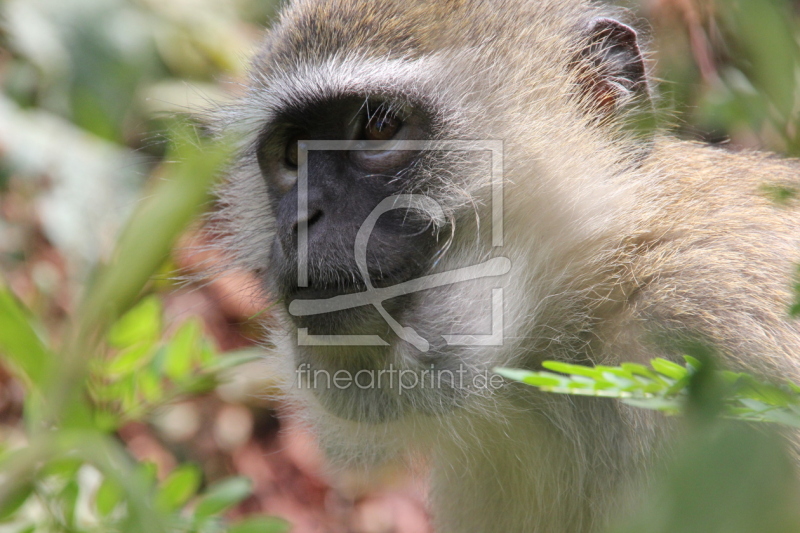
300	230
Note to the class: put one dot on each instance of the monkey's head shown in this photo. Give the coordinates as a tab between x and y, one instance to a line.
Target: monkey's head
403	161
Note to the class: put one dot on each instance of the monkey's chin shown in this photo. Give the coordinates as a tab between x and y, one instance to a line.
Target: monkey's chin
368	406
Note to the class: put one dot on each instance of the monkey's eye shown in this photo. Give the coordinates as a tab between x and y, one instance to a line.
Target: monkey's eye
381	127
387	131
290	158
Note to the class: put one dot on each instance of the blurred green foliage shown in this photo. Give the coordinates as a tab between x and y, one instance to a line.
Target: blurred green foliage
729	70
91	60
666	386
84	84
116	365
723	475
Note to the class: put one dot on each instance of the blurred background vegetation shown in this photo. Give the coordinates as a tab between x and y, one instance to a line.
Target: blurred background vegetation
133	401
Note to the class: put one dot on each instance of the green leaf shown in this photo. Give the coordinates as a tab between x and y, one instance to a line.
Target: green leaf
678	387
543	382
641	370
602	384
721	478
769	49
619	381
260	525
130	359
147	471
178	487
182	349
69	501
125	390
19	341
654	388
668	368
749	387
149	236
63	468
108	496
692	362
140	324
575	370
780	194
208	354
14	501
105	420
617	371
792	387
149	385
199	385
748	398
782	416
581	382
224	495
514	374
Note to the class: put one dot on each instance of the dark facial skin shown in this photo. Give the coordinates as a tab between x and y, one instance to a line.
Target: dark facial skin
343	189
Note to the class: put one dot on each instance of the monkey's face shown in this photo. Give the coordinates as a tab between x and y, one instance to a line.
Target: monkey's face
352	217
321	203
354	203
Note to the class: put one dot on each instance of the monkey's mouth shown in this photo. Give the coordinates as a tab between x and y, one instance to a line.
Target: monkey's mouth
358	317
328	284
321	292
333	274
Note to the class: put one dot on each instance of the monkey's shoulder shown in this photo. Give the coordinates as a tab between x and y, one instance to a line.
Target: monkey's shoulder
712	192
707	168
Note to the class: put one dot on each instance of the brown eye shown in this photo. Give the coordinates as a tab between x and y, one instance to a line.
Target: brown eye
291	153
381	127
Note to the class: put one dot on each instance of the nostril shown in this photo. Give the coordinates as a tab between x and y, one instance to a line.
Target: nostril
314	217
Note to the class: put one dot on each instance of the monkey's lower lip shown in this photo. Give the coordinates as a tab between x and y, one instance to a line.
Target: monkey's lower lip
325	322
361	319
319	291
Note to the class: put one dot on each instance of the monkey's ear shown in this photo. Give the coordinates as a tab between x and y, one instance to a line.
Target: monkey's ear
611	66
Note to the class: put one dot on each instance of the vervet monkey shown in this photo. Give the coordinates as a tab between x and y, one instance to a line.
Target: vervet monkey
610	235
